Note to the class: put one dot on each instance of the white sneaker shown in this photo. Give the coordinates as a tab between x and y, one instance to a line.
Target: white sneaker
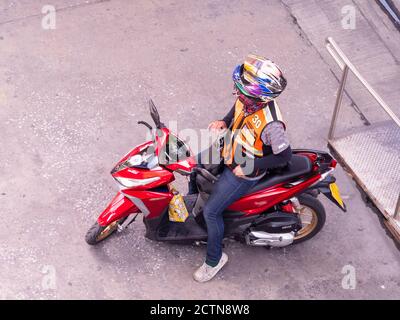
206	272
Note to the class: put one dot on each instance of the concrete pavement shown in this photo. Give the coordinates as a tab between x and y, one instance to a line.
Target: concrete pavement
69	102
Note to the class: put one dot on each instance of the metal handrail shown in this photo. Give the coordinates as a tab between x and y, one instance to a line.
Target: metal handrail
397	210
345	64
342	60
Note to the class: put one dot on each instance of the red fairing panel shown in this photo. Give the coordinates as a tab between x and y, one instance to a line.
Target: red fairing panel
122	206
155	202
161	139
186	165
262	200
118	208
164	176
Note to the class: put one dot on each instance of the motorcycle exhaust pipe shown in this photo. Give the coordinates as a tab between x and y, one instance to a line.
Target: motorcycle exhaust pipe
262	238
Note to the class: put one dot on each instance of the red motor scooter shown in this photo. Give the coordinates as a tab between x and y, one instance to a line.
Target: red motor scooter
280	210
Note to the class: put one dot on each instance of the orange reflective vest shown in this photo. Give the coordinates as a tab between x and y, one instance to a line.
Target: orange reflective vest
245	135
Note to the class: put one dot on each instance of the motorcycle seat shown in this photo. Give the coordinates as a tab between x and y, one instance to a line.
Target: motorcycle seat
299	165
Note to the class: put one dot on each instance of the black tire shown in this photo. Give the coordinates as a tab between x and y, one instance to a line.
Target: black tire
319	214
94	234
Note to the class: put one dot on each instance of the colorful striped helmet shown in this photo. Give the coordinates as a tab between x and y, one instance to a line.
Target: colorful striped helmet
259	78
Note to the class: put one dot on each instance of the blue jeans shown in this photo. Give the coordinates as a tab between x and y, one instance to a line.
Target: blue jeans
227	190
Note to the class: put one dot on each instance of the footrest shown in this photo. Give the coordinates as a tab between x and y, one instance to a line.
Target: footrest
188	230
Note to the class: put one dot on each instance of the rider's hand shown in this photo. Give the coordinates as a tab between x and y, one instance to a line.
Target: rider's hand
238	171
217	125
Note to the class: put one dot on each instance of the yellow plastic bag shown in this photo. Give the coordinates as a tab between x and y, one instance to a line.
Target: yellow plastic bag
177	211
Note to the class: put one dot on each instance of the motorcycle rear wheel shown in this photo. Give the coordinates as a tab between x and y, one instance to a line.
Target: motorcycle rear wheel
98	233
312	215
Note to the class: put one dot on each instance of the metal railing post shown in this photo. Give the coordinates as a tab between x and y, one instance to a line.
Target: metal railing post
397	210
338	102
344	62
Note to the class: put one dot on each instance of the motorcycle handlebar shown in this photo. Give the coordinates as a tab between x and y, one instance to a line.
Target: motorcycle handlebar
145	124
206	174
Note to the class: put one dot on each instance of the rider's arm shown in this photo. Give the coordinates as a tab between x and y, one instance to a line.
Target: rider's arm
229	116
272	161
274	135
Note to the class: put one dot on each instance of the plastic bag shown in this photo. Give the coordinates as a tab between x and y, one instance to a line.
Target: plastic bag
177	210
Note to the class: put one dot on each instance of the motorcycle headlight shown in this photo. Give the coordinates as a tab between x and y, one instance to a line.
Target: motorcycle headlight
135	160
130	183
142	160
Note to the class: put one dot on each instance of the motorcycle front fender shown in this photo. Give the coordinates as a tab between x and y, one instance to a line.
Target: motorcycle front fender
119	207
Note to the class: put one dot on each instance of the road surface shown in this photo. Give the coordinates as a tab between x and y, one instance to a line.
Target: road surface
69	102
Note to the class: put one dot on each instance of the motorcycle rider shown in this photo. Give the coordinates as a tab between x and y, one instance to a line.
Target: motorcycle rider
258	143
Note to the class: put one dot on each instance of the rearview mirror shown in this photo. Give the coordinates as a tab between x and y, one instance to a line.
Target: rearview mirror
155	115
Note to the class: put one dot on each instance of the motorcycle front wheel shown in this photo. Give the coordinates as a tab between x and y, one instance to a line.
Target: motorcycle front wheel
98	233
312	215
